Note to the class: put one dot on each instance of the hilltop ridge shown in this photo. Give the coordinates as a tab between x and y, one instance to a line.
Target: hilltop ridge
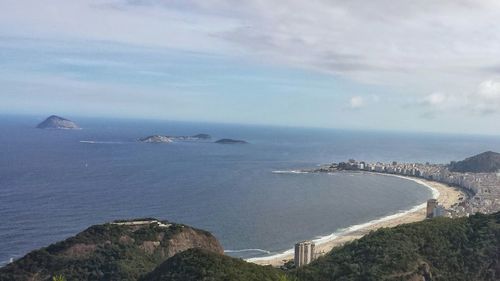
486	162
121	250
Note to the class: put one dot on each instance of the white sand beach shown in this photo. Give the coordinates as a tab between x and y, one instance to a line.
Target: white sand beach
445	195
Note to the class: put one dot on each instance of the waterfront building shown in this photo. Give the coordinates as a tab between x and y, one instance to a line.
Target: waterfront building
304	253
439	211
431	205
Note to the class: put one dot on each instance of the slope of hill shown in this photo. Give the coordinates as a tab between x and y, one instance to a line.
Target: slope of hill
437	249
486	162
197	264
124	250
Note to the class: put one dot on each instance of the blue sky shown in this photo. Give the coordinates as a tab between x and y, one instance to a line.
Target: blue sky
410	66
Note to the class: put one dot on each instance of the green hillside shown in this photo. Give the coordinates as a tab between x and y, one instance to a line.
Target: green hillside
198	265
486	162
109	252
438	249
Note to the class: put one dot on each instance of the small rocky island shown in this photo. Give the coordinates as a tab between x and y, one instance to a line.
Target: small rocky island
57	122
156	139
169	139
230	141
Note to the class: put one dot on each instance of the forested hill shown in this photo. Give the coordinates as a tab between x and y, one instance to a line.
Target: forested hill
438	249
486	162
123	250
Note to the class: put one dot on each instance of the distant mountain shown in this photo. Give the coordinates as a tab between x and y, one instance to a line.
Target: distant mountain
230	141
169	139
198	264
57	122
486	162
124	250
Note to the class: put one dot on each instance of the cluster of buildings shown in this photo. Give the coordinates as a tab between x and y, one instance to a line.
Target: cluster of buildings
482	192
483	189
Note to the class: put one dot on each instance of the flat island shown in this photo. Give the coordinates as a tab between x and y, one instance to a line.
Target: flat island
231	141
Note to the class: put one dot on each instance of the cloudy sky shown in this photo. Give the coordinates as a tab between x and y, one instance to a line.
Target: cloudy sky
385	65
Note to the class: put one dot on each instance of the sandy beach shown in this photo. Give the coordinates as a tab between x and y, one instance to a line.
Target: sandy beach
445	194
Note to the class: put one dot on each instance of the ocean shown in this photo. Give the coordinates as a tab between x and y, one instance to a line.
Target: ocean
56	183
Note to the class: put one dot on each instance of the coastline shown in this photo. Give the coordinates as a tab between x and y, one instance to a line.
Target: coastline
446	195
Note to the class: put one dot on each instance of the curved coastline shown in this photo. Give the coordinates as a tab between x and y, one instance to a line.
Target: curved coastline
325	243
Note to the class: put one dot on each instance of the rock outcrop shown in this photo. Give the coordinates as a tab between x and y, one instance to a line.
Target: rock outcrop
169	139
157	139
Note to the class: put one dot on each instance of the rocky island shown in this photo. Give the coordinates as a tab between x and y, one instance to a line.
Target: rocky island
230	141
169	139
156	139
57	122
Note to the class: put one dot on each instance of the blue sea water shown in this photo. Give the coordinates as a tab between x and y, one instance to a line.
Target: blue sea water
55	183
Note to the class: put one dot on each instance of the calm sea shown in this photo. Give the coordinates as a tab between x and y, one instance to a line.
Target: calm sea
53	185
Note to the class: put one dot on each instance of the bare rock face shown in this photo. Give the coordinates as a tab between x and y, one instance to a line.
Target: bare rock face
191	238
57	122
169	139
157	139
121	250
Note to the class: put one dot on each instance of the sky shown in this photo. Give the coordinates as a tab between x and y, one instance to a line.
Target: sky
405	65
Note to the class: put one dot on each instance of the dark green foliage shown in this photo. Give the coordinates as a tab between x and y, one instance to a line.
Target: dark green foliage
102	252
439	249
201	265
433	250
486	162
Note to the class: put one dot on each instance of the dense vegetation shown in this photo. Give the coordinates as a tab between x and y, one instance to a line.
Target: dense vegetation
200	265
437	249
102	252
486	162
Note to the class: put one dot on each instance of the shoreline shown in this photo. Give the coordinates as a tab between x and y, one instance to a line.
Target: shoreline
446	195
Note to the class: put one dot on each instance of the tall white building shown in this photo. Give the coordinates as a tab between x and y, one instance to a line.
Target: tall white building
304	253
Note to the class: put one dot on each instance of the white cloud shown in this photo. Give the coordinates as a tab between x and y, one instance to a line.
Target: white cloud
484	100
356	102
366	40
412	47
487	97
